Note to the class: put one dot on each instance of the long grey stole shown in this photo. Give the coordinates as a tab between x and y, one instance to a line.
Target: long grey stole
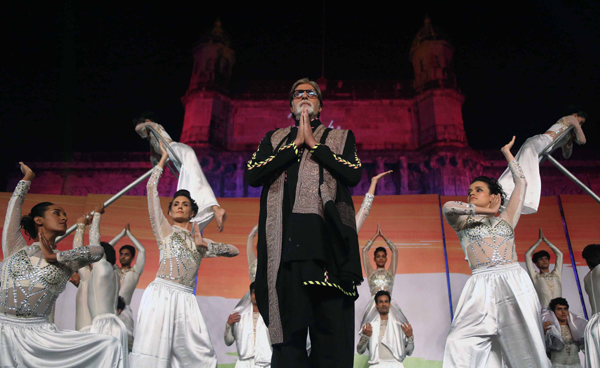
307	201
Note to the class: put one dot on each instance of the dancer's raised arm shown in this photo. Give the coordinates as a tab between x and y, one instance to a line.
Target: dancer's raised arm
119	236
82	222
12	238
579	136
394	264
528	257
558	266
366	263
140	261
517	198
158	221
365	207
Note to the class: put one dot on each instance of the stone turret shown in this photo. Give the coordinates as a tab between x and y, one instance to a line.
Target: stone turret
431	55
438	104
207	107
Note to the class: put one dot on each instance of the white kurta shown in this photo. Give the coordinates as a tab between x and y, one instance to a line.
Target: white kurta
253	350
393	339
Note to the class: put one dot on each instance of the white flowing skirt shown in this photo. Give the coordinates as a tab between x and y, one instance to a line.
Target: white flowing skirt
34	342
170	330
126	317
191	177
109	324
592	342
497	322
529	160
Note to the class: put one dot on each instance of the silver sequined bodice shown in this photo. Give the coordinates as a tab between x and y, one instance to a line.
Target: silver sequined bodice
30	285
381	279
179	258
487	241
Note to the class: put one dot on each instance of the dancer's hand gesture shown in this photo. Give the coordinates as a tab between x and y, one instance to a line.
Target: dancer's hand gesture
368	329
198	237
376	178
495	202
99	208
506	150
547	325
164	156
29	175
407	328
84	219
233	318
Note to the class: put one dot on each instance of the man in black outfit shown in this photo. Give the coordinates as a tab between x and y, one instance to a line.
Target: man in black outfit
308	254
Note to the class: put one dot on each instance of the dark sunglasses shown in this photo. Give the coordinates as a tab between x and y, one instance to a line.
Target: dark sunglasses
311	93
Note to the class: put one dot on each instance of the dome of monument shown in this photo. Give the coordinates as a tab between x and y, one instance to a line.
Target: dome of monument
428	32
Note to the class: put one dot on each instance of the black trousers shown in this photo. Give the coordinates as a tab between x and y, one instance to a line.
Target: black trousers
331	334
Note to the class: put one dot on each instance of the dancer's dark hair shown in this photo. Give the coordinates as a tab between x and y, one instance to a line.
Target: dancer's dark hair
185	193
109	252
540	254
130	248
27	222
591	254
380	249
150	115
252	286
558	301
382	292
493	185
574	109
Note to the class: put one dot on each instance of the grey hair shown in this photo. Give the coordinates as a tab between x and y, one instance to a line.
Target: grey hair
306	81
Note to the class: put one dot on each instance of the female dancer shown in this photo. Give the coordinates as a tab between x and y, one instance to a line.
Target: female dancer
191	176
528	156
31	280
497	321
380	278
170	328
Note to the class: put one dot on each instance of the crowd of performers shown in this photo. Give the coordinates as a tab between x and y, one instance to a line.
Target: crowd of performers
299	309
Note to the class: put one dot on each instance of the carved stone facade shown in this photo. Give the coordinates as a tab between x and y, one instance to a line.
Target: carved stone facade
412	127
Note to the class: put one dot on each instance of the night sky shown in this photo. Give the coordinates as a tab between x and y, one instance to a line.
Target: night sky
74	76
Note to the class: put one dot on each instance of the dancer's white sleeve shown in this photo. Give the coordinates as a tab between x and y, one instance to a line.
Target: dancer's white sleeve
12	239
160	224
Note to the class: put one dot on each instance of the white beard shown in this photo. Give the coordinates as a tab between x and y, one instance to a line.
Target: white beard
310	109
